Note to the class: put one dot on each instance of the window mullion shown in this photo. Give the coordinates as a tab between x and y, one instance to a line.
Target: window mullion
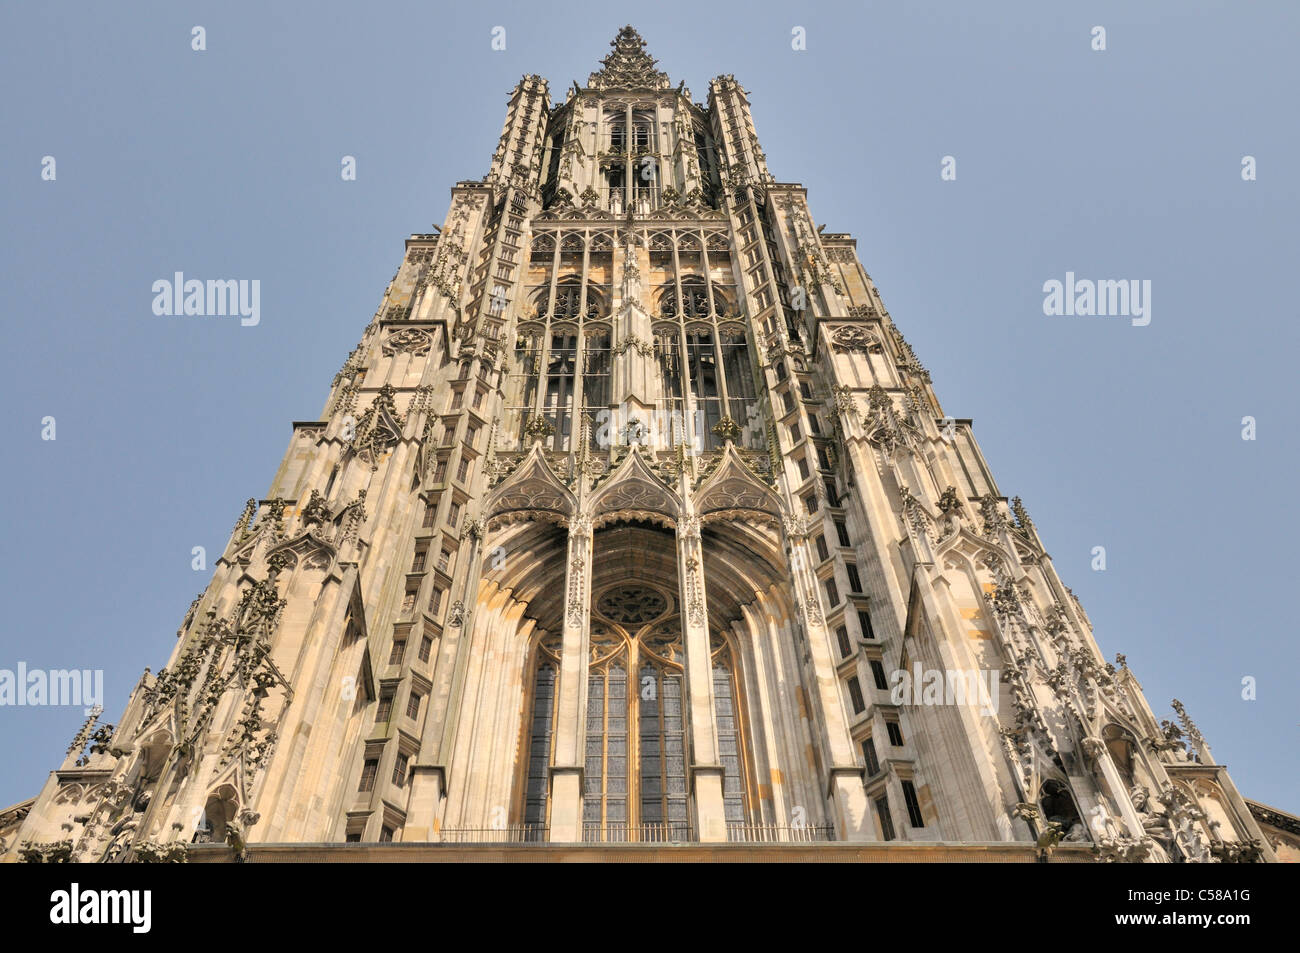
708	278
580	357
684	375
721	372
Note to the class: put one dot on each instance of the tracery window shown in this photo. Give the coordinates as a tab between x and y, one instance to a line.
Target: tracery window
730	754
605	794
565	349
704	366
694	302
560	368
635	762
541	734
595	376
702	361
570	287
643	129
662	722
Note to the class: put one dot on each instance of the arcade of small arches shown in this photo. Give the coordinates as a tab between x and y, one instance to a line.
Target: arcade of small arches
566	356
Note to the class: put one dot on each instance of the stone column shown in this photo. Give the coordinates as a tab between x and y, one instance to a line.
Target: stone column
705	768
567	764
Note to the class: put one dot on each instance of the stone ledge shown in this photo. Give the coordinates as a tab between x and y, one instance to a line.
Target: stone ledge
907	853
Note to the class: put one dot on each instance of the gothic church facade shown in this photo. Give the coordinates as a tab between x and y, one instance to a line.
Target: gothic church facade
634	527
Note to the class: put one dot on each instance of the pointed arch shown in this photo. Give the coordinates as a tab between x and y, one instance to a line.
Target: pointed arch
307	548
634	491
732	490
532	488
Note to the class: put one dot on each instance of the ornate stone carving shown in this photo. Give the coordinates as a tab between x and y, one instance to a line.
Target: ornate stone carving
949	502
240	532
1193	733
1122	849
813	610
908	360
80	740
378	429
991	514
852	337
634	488
727	430
538	428
733	485
629	66
415	341
844	403
634	343
694	587
577	586
317	512
351	519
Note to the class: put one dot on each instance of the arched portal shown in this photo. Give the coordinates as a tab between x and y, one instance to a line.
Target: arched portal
638	720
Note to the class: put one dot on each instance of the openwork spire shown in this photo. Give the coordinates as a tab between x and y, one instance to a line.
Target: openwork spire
629	66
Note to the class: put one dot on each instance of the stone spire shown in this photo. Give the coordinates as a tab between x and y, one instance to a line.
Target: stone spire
629	66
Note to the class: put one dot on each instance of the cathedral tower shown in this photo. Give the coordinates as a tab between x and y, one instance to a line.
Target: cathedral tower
634	520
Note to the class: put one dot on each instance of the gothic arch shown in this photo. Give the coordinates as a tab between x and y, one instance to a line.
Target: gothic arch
531	489
634	491
732	491
307	549
1219	823
1126	754
976	552
533	558
1059	806
220	808
155	750
637	710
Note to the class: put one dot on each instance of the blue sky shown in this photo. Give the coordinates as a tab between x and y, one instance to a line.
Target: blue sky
225	163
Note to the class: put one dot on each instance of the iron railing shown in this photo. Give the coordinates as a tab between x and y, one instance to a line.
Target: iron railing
672	832
509	834
774	834
658	833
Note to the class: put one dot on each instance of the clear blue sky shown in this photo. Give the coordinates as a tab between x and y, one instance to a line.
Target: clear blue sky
225	163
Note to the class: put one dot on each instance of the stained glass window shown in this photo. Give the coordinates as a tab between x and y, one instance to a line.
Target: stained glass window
635	778
539	739
604	807
729	748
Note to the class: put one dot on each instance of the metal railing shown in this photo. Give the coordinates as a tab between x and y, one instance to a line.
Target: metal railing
773	834
670	832
663	833
510	834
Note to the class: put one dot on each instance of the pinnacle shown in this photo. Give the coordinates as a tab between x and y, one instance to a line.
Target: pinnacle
628	66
